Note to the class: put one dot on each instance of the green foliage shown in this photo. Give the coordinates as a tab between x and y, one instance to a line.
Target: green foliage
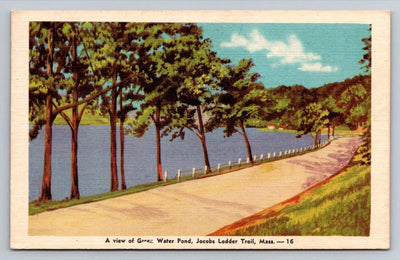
289	101
367	57
44	75
200	69
341	207
175	67
298	108
312	119
61	65
356	103
335	113
339	103
240	98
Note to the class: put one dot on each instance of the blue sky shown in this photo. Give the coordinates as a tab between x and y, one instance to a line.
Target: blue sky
287	54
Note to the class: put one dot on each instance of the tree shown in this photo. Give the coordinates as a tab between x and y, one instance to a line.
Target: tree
290	99
335	114
200	70
240	98
119	44
49	51
56	74
355	102
163	47
79	86
109	37
311	120
42	90
367	57
125	106
128	96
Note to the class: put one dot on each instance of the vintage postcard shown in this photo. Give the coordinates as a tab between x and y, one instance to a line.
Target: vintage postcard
200	130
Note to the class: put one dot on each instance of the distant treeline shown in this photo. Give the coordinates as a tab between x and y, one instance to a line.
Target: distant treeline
339	103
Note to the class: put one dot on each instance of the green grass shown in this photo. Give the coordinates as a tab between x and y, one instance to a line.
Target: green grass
340	207
340	130
87	119
277	130
36	207
342	127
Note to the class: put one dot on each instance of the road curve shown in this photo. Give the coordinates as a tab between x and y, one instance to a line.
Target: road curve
201	206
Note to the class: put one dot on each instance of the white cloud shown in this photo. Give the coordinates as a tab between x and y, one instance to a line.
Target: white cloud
317	67
236	41
290	52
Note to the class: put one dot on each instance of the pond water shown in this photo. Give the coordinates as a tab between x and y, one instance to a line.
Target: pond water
140	156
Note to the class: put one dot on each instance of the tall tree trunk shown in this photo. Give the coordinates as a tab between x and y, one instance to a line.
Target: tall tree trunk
317	141
314	138
46	179
333	131
329	131
203	139
122	143
74	132
249	155
113	137
158	143
74	150
319	138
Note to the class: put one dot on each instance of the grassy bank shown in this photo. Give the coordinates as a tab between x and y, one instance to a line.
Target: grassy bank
340	130
87	119
277	130
343	130
339	206
36	207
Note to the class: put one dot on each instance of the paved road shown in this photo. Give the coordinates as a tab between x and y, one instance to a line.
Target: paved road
201	206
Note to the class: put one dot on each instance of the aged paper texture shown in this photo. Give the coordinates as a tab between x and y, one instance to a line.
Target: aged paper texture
200	130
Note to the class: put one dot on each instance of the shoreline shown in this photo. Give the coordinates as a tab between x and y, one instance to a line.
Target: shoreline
187	207
36	207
